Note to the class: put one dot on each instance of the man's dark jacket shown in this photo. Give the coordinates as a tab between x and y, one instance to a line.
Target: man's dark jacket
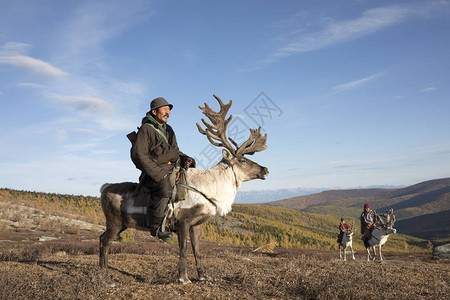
368	218
151	153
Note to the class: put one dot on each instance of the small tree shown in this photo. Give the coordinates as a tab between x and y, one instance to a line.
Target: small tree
430	246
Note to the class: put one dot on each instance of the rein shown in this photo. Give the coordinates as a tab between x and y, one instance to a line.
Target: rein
212	201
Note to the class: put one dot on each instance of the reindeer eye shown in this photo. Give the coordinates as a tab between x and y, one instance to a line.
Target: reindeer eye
242	160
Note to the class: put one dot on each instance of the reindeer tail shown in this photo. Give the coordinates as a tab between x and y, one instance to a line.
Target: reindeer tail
104	187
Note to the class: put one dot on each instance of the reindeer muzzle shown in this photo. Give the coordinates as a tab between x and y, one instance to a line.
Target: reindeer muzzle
263	174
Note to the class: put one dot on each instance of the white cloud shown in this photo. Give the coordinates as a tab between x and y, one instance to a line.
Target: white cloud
354	84
85	104
88	131
33	65
30	85
95	22
429	89
335	32
13	48
116	123
12	53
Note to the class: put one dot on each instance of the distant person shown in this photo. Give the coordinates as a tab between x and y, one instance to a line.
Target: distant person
343	227
155	152
368	220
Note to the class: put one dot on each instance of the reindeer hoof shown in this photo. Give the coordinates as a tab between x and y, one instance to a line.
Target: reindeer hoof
183	281
204	278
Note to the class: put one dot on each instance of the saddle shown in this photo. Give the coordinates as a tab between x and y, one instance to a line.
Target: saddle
142	194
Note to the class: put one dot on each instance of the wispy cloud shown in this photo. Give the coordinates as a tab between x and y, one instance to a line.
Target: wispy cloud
33	65
354	84
30	85
95	22
85	104
88	131
10	54
335	32
429	89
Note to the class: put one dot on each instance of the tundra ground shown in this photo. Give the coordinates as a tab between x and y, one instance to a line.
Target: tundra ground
42	265
49	255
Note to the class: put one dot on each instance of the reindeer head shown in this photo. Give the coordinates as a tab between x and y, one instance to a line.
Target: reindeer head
244	168
387	226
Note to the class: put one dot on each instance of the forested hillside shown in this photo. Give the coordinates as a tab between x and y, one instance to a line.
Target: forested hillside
247	224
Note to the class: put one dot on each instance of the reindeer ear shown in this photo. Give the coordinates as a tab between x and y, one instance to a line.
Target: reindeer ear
227	155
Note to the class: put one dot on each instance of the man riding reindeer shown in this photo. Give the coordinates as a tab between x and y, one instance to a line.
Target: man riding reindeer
343	227
155	152
369	218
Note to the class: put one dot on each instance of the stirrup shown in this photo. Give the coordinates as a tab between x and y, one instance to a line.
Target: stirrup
162	235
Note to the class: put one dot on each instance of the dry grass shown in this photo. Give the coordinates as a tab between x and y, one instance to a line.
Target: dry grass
147	269
53	258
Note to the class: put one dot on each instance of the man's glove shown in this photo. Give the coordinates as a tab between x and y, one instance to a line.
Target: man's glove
188	162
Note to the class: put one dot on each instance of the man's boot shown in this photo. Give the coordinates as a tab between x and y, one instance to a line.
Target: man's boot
155	217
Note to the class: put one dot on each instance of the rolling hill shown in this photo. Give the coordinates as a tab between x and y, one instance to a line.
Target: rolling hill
247	224
421	209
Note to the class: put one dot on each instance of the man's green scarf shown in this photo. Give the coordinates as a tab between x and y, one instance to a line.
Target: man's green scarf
160	129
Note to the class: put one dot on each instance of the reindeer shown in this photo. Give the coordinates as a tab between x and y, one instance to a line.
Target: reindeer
346	242
211	192
380	234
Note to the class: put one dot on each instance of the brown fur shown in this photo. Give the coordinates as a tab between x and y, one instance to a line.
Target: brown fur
188	223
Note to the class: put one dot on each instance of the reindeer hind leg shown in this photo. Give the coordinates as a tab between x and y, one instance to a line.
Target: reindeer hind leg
105	243
183	232
195	242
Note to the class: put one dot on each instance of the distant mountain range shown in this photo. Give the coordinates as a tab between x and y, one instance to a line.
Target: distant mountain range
422	210
271	195
262	196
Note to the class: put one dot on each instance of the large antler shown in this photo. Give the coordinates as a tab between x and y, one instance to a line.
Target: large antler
216	132
351	226
391	215
255	143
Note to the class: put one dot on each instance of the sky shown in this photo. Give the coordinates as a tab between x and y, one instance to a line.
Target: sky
350	93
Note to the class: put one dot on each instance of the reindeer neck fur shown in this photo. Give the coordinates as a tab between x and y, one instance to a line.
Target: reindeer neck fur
218	183
380	236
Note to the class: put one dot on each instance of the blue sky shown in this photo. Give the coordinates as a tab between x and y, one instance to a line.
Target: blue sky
350	93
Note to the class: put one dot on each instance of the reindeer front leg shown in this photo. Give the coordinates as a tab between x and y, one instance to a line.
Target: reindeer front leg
183	231
195	232
344	248
340	253
374	253
379	250
368	253
353	253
